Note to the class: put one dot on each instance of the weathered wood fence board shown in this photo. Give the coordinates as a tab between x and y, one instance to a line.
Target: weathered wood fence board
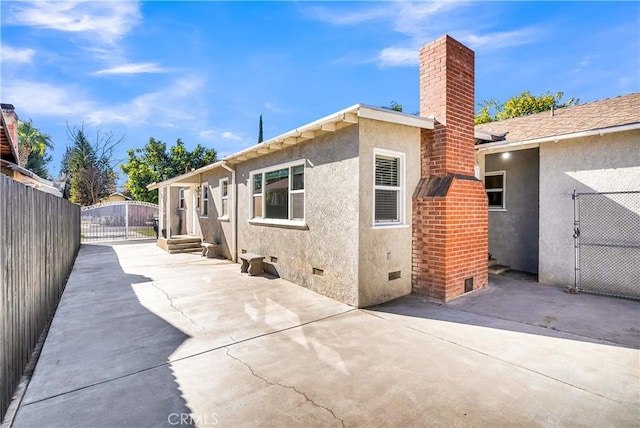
39	240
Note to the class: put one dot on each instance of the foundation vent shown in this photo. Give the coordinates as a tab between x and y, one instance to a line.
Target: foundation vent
468	285
243	251
274	259
318	272
394	275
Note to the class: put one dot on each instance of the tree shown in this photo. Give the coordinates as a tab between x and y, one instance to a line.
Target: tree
88	167
260	136
32	146
153	163
394	106
521	105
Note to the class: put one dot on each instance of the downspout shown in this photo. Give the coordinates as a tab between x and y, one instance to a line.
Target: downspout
234	215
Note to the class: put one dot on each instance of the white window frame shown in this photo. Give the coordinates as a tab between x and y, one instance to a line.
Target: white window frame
223	197
275	221
401	188
503	189
204	199
181	201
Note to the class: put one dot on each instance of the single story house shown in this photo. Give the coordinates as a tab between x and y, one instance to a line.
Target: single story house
531	167
363	205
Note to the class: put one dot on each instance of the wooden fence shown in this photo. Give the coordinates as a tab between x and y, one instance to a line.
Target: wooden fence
39	240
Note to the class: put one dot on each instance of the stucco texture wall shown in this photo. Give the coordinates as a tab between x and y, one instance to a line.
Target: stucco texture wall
212	228
330	240
513	233
385	249
592	164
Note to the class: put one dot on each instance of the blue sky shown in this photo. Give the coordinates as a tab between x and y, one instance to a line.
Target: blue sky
205	71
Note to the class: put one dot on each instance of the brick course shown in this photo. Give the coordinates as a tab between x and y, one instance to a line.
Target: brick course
450	216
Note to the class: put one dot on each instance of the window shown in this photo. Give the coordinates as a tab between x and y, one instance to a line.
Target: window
224	196
181	198
495	185
198	197
388	187
278	193
204	207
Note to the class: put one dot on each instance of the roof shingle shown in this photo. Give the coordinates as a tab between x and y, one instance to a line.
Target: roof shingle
621	110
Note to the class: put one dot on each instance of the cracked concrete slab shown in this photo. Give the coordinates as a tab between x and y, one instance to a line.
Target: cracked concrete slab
144	338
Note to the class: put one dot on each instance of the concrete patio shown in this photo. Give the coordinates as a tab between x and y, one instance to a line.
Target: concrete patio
144	338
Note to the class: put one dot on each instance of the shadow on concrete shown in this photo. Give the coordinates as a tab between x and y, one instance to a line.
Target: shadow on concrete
517	302
105	360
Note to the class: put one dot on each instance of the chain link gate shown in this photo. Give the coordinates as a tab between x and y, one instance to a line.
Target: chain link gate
607	243
122	220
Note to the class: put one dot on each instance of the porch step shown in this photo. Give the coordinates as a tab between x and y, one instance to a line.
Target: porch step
493	262
194	240
497	269
185	250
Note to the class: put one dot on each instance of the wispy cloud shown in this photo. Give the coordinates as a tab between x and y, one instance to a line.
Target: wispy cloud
16	55
107	21
342	17
133	68
420	22
37	98
500	40
228	135
398	56
584	62
162	108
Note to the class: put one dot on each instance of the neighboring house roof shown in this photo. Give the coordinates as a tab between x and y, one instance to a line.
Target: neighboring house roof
32	179
8	144
116	196
327	124
611	114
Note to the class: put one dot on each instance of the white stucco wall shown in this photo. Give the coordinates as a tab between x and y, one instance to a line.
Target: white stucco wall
211	228
593	164
385	249
330	240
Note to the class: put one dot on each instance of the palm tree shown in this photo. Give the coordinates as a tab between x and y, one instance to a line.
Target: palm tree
30	139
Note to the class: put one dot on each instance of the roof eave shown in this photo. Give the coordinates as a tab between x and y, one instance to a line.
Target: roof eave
556	138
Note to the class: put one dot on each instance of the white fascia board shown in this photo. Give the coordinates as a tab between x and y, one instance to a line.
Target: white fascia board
184	178
556	138
384	115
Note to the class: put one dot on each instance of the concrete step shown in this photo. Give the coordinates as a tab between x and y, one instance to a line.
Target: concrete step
493	262
184	240
498	269
185	250
184	245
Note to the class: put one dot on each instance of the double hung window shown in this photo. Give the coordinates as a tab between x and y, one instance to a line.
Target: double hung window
495	185
388	187
224	197
204	206
278	193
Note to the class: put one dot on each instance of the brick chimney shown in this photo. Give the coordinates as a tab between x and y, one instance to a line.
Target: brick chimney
450	215
10	120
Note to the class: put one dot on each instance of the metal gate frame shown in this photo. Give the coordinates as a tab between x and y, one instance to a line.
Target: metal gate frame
123	231
631	287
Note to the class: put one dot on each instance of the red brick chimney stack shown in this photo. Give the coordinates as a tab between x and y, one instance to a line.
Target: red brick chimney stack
450	230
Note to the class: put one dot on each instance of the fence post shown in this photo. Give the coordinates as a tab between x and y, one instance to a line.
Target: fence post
126	219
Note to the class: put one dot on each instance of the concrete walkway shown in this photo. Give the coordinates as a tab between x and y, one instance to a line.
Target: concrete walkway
143	338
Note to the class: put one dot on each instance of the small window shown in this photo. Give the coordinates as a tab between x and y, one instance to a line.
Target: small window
224	196
278	193
204	207
495	185
181	198
257	196
388	188
198	197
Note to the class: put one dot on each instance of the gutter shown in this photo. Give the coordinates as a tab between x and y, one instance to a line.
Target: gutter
556	138
234	216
